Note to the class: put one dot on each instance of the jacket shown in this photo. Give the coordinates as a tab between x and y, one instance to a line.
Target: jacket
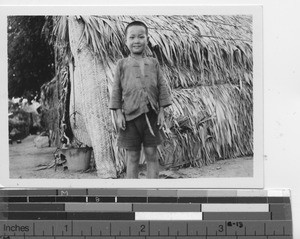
133	91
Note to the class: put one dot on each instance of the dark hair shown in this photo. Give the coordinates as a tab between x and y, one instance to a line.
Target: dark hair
136	23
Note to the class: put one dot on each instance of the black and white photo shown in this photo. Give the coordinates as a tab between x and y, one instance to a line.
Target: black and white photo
62	74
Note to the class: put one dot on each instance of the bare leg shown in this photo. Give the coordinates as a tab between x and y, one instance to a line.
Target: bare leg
133	158
152	162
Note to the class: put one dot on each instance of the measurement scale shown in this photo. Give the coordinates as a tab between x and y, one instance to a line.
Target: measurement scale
145	214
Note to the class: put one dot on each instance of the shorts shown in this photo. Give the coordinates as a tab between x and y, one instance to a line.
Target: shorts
137	133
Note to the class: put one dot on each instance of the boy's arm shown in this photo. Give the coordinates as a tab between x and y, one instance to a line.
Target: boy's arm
164	96
115	101
161	117
163	89
121	123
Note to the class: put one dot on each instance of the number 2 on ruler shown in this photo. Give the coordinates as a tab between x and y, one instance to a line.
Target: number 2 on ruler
143	228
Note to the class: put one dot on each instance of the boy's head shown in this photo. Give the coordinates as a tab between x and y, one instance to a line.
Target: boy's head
136	23
136	34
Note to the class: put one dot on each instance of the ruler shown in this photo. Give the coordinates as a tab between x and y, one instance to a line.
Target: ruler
145	214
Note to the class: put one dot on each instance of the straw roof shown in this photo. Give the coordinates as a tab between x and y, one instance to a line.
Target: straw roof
194	50
208	63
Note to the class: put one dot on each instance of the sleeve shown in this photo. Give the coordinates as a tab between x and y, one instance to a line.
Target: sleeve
115	101
163	89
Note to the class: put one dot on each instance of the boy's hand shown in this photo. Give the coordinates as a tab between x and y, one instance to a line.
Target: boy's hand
161	118
121	123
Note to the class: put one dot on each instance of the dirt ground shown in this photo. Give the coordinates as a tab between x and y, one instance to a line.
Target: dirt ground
25	158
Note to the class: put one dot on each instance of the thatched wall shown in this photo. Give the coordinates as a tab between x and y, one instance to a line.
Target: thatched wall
207	61
49	110
55	100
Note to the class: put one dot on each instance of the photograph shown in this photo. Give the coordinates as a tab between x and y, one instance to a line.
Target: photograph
136	97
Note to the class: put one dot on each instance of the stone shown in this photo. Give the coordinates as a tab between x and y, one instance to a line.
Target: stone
41	141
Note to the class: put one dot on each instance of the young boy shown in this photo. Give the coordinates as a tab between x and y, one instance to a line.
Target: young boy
139	96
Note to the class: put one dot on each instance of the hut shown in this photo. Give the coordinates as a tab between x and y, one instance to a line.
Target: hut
207	61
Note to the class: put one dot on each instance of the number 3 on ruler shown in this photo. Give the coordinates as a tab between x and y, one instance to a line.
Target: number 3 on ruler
221	228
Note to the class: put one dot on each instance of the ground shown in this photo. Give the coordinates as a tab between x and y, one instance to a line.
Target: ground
24	159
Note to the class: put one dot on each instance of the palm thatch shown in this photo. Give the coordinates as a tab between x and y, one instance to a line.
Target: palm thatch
207	61
49	111
55	99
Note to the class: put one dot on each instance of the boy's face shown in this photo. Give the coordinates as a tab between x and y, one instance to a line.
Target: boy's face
136	39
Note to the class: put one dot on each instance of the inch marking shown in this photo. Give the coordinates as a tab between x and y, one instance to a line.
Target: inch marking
87	194
187	229
217	229
72	224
